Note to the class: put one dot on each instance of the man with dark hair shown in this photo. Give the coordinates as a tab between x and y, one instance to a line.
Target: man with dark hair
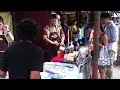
106	15
111	31
54	36
23	60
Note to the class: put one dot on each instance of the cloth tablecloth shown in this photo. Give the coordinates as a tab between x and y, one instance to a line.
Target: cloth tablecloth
56	70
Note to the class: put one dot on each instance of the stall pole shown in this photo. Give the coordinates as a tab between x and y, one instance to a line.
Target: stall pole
14	22
96	40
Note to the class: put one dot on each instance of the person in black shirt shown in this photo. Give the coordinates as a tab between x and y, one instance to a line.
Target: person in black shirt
23	60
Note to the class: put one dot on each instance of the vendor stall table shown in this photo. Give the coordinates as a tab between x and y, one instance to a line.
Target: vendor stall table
57	70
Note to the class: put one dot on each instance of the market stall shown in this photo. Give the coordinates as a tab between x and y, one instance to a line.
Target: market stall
73	61
68	68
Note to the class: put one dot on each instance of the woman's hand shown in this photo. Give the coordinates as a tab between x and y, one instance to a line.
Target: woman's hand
100	45
9	33
62	44
7	27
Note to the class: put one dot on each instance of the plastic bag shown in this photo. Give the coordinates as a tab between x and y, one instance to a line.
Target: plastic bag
104	58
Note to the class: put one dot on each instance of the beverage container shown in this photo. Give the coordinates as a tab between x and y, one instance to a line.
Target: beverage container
58	53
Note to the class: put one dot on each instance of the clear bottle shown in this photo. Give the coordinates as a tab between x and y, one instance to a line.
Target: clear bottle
79	37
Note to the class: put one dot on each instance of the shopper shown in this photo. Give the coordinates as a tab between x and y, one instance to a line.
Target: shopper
73	29
111	31
23	60
103	41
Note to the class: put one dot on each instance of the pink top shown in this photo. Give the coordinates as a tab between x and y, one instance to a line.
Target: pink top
57	59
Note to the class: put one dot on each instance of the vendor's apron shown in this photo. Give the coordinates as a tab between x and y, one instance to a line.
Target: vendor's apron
3	47
53	48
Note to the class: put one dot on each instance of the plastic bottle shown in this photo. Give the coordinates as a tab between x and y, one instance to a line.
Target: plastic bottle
79	37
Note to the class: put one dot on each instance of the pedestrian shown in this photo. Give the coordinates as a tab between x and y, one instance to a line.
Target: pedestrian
23	59
111	31
103	41
73	29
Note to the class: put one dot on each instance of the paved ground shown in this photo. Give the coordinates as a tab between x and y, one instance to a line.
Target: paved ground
116	67
116	72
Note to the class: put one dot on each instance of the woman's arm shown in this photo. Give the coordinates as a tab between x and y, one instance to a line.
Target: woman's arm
10	35
105	41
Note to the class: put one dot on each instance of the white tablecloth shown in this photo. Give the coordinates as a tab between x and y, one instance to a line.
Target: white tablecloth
56	70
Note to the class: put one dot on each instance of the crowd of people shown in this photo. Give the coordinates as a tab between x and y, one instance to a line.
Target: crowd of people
24	60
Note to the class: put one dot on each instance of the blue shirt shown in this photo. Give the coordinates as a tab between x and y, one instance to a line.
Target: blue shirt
111	31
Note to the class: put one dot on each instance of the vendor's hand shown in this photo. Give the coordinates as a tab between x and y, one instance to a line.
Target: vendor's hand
56	43
62	44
